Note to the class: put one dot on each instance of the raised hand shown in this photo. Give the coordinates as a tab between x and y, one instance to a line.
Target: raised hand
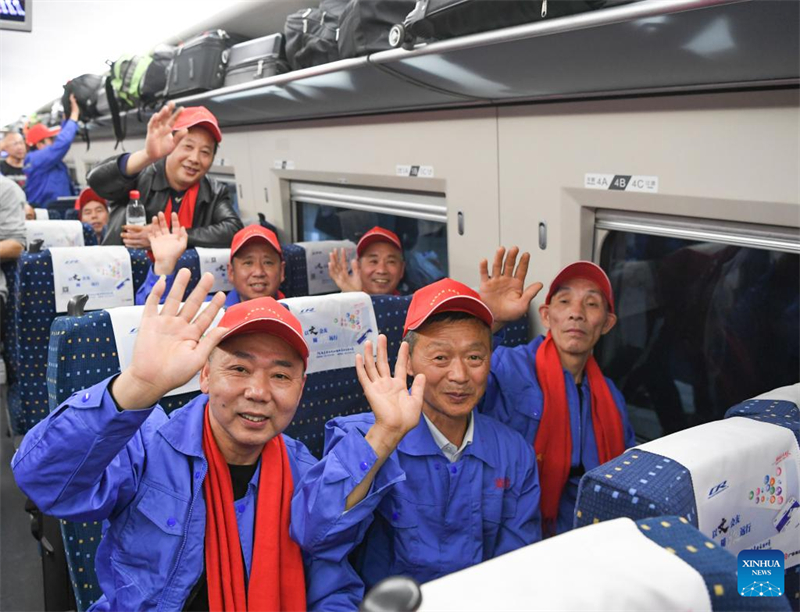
167	245
160	140
397	410
504	291
337	268
172	345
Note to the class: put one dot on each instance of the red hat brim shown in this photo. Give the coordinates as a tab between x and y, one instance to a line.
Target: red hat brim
457	303
587	270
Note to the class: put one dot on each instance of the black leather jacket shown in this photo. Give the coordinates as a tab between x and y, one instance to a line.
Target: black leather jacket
215	221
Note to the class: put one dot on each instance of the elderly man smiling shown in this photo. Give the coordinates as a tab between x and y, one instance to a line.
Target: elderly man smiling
553	392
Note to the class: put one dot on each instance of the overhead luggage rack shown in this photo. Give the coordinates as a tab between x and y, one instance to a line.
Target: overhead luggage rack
653	46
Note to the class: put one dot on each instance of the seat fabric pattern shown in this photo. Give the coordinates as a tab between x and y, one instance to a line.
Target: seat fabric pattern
716	565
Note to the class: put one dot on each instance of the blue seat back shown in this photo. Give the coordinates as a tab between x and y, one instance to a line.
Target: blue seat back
33	313
338	392
61	205
140	264
295	283
89	237
639	484
8	330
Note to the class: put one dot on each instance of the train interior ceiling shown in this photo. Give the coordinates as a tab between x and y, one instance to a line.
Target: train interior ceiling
664	147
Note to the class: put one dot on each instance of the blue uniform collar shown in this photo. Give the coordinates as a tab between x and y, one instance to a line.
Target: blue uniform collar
184	429
420	443
232	298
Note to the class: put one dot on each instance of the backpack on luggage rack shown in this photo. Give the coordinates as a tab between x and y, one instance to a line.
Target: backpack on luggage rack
126	76
136	82
84	88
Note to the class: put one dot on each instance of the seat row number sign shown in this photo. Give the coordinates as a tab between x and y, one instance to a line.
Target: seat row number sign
621	182
414	171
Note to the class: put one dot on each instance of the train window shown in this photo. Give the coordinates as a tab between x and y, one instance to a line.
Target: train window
707	315
332	212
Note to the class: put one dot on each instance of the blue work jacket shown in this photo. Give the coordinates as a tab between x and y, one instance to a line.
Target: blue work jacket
152	278
513	396
142	473
423	516
48	177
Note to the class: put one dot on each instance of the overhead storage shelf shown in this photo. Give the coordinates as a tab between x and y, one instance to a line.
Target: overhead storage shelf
646	47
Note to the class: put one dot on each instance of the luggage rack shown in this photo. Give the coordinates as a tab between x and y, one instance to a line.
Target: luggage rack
648	47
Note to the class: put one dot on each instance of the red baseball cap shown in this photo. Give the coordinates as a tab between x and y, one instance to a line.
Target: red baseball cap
445	295
377	234
265	315
39	132
255	232
89	195
588	271
192	116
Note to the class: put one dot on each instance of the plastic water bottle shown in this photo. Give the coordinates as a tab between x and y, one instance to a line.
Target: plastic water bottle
134	213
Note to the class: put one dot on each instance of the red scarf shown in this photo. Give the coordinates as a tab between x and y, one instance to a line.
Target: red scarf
277	579
553	443
186	211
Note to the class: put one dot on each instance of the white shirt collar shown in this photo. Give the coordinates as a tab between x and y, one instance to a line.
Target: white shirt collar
449	449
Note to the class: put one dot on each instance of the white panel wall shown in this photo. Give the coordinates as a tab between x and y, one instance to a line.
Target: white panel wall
732	156
724	156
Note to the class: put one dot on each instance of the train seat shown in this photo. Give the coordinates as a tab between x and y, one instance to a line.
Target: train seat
54	233
8	333
336	392
616	566
295	283
734	479
36	305
82	352
309	266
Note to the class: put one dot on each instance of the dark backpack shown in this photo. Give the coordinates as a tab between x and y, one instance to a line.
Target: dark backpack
153	86
84	88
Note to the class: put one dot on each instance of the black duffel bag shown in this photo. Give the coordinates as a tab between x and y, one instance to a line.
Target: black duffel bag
443	19
312	38
85	88
365	24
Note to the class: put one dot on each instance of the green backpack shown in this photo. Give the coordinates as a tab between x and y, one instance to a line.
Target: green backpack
126	77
